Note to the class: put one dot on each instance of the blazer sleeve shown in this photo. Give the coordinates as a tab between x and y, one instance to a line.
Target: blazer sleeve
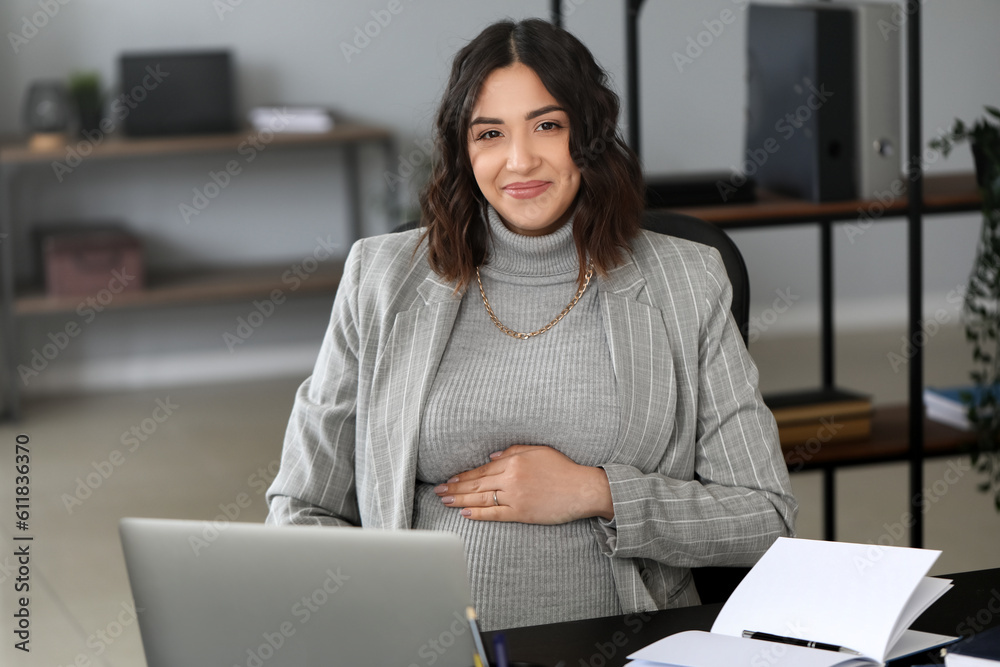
316	482
738	500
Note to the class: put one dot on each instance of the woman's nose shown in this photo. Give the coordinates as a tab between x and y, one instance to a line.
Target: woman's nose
523	156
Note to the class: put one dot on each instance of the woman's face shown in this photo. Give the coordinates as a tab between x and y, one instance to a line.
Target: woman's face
519	148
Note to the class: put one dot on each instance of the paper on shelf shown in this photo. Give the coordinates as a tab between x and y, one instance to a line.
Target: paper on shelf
310	120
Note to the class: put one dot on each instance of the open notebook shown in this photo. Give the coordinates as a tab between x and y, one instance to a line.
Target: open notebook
862	597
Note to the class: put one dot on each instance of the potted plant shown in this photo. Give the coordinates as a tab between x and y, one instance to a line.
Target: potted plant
981	308
85	90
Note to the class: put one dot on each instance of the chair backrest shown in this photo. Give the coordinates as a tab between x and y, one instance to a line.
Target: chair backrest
406	226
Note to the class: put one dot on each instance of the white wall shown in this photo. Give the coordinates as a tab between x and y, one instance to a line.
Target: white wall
290	52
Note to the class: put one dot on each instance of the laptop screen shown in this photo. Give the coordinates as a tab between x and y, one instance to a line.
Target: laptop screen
250	595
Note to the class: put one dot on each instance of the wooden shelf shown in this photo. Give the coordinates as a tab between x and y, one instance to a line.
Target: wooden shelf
116	146
942	194
179	288
189	287
889	441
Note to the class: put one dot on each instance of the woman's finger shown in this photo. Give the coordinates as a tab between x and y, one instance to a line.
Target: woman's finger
502	513
469	480
483	499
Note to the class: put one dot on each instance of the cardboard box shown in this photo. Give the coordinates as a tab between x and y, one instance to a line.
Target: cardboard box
85	262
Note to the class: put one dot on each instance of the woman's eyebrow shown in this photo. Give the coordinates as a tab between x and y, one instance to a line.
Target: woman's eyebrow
544	110
479	120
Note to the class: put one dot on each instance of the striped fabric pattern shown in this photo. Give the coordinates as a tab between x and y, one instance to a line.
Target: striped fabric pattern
491	391
697	476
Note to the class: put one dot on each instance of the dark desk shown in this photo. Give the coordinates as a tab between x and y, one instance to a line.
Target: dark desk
971	606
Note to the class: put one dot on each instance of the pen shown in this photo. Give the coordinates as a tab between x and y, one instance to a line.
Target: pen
500	650
480	656
749	634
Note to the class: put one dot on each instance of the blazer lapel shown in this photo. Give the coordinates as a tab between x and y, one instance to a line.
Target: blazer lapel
400	384
643	367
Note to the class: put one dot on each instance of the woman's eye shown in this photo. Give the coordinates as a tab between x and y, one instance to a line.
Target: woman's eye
488	134
549	125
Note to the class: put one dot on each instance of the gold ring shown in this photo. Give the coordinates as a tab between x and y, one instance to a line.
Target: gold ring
495	501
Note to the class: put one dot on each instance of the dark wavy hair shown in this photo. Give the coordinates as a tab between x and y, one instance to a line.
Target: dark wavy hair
610	201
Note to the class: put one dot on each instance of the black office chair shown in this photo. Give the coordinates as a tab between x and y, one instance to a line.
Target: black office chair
715	584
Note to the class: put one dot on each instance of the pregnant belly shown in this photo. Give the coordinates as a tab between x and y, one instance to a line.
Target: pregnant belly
523	574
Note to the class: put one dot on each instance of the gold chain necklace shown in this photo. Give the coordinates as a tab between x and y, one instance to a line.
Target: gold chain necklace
526	336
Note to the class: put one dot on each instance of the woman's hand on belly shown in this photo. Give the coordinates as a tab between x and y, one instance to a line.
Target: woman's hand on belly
533	484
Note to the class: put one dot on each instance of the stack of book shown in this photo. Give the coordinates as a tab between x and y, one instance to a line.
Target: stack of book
304	120
828	415
948	407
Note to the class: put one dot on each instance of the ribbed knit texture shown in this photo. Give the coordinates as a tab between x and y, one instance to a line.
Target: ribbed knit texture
492	391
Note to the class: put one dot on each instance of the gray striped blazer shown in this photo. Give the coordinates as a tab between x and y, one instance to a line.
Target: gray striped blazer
697	476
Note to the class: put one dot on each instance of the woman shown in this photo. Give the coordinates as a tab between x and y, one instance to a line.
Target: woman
533	372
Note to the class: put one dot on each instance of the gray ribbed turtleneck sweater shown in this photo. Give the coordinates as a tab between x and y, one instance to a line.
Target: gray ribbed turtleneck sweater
492	391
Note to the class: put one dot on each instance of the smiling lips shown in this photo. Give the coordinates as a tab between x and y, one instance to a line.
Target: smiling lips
527	190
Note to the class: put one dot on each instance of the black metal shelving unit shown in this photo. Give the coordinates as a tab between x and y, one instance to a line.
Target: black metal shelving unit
914	213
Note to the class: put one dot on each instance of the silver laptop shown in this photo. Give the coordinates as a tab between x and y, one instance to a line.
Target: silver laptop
249	595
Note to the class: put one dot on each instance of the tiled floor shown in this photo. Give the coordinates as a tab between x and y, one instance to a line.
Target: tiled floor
218	442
